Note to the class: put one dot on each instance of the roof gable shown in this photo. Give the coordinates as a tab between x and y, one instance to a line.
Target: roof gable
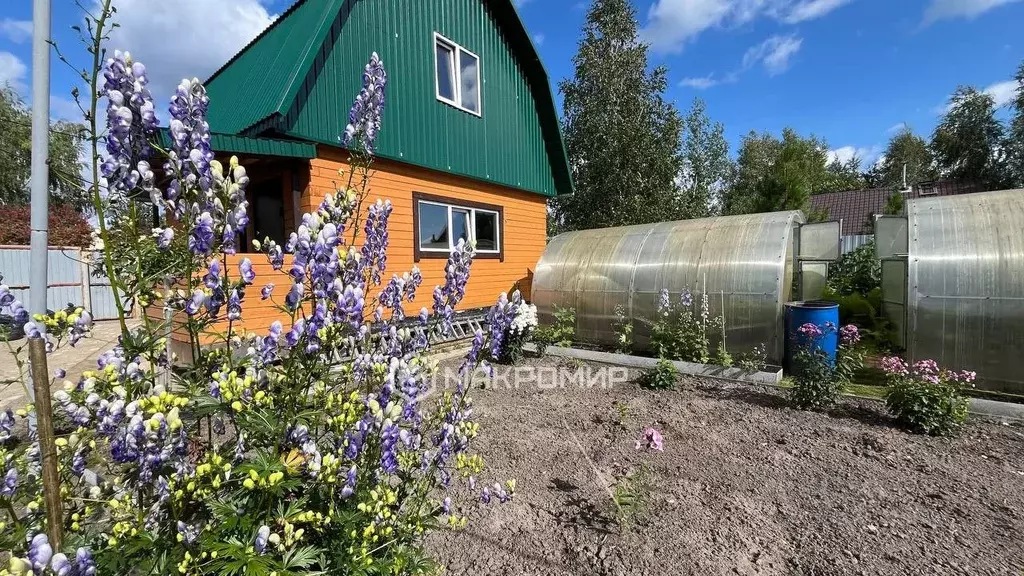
298	77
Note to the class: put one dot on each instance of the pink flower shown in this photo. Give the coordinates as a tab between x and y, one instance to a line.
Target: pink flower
894	365
652	439
849	335
810	330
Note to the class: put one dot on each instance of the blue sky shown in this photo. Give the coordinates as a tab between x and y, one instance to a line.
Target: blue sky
847	70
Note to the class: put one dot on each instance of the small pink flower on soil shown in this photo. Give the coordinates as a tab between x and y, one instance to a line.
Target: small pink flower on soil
651	439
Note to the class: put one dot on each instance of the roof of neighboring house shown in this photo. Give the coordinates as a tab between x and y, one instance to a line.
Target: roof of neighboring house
296	79
856	208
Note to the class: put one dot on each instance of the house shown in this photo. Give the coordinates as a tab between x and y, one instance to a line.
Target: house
470	140
857	208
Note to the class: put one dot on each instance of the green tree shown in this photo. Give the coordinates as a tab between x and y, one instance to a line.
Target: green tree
774	174
968	140
16	156
621	136
905	148
1015	141
843	175
706	163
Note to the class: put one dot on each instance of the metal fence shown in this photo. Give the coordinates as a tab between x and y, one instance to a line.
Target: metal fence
69	280
850	243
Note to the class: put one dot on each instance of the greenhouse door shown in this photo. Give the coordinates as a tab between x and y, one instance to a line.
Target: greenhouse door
891	249
817	245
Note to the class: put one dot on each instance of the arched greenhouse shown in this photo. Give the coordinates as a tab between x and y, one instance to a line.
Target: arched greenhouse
953	283
744	263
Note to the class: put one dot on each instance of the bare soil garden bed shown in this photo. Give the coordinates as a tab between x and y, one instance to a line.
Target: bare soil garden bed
745	485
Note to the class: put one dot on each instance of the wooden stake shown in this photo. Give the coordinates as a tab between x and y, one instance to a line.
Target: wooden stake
47	445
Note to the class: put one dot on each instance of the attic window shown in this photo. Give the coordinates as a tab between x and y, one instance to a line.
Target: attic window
458	75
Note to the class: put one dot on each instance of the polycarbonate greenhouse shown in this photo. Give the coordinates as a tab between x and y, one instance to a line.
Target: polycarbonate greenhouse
953	283
744	263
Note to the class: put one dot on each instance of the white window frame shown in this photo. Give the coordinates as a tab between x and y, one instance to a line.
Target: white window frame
472	227
457	51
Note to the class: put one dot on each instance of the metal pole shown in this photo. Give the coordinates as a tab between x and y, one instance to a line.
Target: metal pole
38	279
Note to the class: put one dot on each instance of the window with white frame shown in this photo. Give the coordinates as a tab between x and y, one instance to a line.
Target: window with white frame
457	73
441	223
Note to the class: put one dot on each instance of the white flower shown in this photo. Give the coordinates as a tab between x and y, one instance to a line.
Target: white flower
525	320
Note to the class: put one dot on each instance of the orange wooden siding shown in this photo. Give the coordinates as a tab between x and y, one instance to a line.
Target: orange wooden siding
523	229
523	234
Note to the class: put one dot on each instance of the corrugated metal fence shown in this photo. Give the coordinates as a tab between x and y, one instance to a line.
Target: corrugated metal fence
69	276
851	243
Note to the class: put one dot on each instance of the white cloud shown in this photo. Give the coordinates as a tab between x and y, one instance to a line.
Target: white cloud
16	31
184	39
709	81
812	9
868	155
898	127
538	39
701	83
942	9
774	53
673	23
12	72
1003	92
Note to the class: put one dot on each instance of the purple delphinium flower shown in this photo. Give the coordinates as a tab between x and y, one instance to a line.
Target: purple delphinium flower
294	297
500	318
350	483
200	240
664	304
375	241
164	238
235	305
131	121
39	553
195	303
686	298
266	291
60	373
364	119
80	327
10	483
246	272
189	158
262	536
456	275
6	425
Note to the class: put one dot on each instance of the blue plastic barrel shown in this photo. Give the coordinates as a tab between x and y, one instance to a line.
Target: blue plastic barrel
821	313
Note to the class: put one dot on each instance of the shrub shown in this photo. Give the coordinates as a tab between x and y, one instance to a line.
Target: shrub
856	272
67	226
519	331
925	398
662	377
267	455
815	384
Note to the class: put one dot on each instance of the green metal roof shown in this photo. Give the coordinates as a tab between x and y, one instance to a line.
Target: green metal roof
235	144
298	79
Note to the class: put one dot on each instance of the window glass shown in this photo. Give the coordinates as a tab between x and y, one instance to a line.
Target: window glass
433	222
445	71
460	225
486	230
469	79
